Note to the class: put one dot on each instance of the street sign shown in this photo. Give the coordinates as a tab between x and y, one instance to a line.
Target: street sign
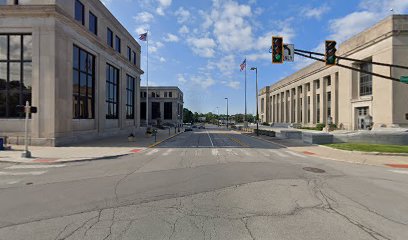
289	52
404	79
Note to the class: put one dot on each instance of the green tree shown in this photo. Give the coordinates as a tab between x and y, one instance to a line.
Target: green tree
187	116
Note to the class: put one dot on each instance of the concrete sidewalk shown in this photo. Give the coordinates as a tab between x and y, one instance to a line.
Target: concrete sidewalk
336	154
99	149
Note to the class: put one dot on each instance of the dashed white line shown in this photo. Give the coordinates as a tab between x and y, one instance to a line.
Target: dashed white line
34	173
35	166
212	144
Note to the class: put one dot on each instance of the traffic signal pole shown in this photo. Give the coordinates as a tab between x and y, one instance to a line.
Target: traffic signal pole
309	54
26	153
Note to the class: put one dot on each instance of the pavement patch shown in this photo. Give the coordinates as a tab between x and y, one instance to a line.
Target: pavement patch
314	170
44	160
136	150
309	153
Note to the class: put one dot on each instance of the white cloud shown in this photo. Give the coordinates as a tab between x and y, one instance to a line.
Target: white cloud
226	65
163	5
171	38
144	17
162	59
182	15
232	84
315	12
203	47
184	30
203	81
155	46
181	79
142	29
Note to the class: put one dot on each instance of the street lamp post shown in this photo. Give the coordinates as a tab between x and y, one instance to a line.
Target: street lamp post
257	112
227	112
218	116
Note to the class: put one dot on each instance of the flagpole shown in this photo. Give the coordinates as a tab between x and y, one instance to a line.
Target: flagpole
147	81
245	115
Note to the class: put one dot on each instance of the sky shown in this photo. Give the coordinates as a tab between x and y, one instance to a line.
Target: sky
198	45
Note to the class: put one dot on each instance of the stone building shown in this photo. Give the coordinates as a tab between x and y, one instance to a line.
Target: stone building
352	99
75	62
165	105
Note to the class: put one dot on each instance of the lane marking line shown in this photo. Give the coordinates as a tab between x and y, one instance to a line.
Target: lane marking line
152	152
34	173
399	171
245	152
295	154
212	144
34	166
214	152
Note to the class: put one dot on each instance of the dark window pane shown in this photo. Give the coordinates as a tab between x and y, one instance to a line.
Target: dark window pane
79	12
27	71
13	101
134	58
75	60
109	37
27	47
75	80
3	75
82	83
3	47
2	103
82	61
129	54
117	44
93	23
15	47
15	74
90	63
90	85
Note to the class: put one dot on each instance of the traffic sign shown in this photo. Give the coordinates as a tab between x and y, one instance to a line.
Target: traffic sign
289	52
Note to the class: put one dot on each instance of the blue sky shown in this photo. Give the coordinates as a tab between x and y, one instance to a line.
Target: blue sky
198	45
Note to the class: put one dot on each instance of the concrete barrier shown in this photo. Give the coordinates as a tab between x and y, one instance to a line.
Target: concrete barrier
317	138
291	134
373	137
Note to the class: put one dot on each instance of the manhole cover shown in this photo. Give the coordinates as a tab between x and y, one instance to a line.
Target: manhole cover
29	183
314	170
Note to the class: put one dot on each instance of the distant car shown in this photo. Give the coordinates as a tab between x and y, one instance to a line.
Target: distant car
201	127
194	126
188	128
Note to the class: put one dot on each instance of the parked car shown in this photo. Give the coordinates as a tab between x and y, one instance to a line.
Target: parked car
201	127
188	128
194	126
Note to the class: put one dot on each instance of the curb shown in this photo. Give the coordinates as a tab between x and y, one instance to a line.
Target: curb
159	142
366	153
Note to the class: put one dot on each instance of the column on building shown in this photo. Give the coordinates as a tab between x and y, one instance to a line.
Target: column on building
285	107
290	105
334	97
312	102
298	103
323	99
282	107
270	109
278	107
304	104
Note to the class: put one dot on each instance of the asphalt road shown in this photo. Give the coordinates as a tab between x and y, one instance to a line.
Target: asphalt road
205	184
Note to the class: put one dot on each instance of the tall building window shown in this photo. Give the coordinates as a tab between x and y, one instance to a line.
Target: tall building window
168	110
109	37
308	109
79	12
301	109
165	94
15	73
129	54
112	92
170	94
328	104
83	79
156	110
317	82
366	80
134	57
93	23
308	87
118	44
262	105
317	108
328	80
143	110
130	96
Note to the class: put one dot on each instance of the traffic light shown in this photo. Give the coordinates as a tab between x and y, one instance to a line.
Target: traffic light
277	50
330	56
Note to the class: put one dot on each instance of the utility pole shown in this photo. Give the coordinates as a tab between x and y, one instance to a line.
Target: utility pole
257	111
227	112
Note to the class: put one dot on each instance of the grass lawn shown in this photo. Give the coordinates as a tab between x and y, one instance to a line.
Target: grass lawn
370	147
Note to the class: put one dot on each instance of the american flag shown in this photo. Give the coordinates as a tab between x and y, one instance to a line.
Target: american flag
143	36
243	65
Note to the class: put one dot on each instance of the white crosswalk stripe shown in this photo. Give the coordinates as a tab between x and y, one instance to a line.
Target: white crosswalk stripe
246	152
231	152
295	154
35	166
167	152
400	171
277	152
33	173
214	152
152	152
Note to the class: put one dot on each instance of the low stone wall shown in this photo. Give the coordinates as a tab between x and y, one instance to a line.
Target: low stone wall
373	137
291	134
317	138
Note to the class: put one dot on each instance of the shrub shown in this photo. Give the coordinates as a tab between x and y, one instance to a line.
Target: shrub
265	124
320	126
